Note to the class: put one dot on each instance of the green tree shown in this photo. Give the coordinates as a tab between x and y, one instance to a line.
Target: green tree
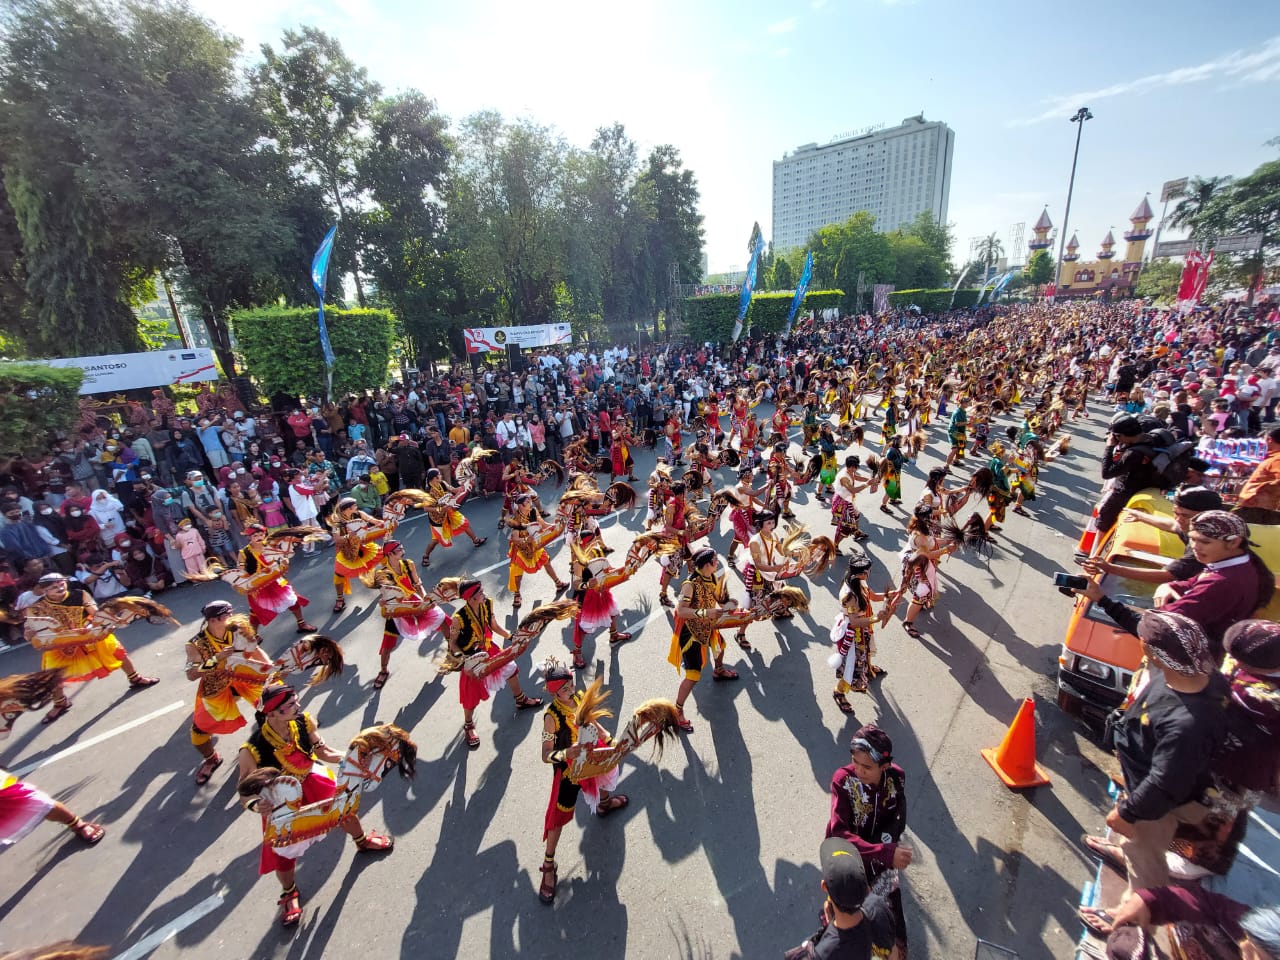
1159	280
507	216
782	276
990	249
404	171
675	234
1200	192
36	403
1039	268
842	251
1248	205
320	105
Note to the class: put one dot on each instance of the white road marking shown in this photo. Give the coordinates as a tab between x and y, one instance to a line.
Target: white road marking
171	929
94	741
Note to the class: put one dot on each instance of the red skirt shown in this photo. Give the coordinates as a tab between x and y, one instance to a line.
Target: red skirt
473	691
598	610
273	599
315	786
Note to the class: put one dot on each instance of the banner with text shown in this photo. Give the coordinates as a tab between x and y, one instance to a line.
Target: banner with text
496	339
130	371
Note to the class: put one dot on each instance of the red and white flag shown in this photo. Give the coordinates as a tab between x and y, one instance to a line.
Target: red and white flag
1195	277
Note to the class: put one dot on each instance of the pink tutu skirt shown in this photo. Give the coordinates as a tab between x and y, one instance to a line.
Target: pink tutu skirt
598	610
22	808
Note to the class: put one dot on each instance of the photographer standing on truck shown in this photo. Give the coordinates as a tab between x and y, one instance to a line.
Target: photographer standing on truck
1127	467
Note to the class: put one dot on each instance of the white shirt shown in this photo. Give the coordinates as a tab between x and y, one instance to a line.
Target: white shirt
506	431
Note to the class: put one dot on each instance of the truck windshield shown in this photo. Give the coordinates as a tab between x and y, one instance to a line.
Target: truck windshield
1133	593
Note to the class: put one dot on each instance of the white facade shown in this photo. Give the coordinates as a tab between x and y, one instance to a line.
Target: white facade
893	174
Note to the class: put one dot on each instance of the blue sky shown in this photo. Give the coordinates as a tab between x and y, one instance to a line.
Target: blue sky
1176	89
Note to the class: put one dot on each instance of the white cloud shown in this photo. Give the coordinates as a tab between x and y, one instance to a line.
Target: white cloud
781	52
783	26
817	4
1240	67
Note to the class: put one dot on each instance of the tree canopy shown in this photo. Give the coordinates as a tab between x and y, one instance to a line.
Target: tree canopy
134	143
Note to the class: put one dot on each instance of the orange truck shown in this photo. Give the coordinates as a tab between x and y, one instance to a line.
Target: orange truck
1098	658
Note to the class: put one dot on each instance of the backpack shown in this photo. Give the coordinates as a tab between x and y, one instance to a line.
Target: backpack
1170	457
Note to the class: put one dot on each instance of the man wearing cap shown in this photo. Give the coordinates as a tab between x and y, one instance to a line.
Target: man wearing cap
220	688
1165	735
1127	468
857	924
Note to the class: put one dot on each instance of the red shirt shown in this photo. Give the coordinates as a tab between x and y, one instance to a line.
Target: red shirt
603	420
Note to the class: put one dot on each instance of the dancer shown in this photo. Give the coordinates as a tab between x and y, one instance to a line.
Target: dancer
527	554
780	474
827	453
471	631
620	460
219	689
919	569
853	633
357	555
286	738
747	500
590	573
957	432
675	524
23	807
767	560
571	725
891	474
263	562
408	612
844	513
444	516
702	597
60	625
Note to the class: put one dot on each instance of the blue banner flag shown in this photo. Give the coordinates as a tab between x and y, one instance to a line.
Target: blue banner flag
748	282
801	289
319	279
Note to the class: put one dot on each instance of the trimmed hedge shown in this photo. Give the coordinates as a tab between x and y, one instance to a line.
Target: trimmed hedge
933	301
822	299
36	403
281	348
768	313
711	317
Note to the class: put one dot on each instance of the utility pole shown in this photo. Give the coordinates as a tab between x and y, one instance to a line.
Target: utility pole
1080	117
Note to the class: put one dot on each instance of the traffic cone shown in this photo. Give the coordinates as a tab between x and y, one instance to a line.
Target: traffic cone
1014	761
1090	536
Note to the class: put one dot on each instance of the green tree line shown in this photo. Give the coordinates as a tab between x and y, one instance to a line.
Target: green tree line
134	144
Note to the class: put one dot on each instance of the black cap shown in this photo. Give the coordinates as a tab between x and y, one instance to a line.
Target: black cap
843	874
1126	425
1198	499
216	608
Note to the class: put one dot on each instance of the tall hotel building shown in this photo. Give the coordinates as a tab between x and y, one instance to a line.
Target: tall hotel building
893	174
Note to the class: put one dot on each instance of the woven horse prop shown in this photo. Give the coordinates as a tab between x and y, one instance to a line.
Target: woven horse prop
653	720
45	633
292	826
26	691
484	667
312	652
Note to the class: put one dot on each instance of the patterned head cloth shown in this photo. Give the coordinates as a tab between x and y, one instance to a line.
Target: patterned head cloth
1220	525
872	741
469	588
1255	644
1177	641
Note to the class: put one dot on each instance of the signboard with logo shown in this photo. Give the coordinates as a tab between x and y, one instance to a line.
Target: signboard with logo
116	372
1173	189
497	339
1236	243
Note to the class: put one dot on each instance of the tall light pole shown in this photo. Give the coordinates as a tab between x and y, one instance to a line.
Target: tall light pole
1080	117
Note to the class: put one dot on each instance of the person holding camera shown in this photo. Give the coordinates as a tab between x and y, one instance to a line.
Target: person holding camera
1127	468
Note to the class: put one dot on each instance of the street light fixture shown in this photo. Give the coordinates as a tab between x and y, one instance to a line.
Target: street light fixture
1080	117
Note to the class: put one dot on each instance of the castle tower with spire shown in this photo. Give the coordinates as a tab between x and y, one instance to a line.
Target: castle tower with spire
1137	237
1073	250
1040	240
1108	247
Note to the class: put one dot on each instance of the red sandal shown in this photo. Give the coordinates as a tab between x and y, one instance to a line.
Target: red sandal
547	891
290	907
469	732
371	842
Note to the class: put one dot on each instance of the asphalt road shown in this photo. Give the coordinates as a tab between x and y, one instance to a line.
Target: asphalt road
714	857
